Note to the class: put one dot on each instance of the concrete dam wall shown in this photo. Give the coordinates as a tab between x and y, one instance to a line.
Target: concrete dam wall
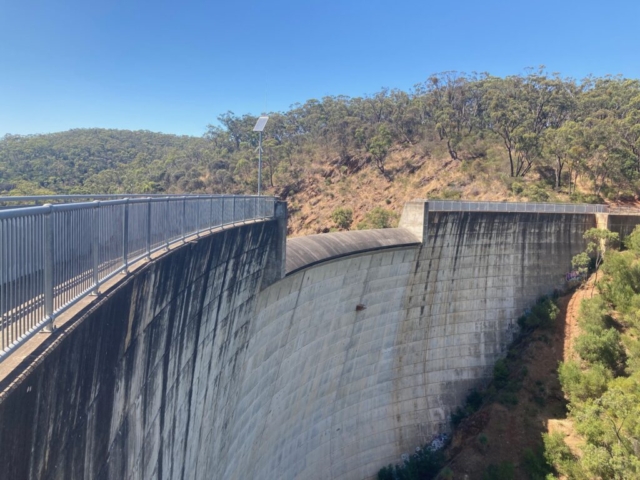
206	365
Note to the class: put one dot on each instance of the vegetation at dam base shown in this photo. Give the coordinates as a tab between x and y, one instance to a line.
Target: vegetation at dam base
509	374
593	393
602	381
535	137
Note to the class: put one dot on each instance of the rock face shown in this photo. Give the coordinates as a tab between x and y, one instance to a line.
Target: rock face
203	366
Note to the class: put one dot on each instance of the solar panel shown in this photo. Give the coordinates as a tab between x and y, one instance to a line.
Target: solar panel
262	121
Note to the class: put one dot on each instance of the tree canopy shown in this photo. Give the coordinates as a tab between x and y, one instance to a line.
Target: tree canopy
532	122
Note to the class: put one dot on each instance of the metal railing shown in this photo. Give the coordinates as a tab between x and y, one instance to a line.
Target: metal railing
51	256
461	206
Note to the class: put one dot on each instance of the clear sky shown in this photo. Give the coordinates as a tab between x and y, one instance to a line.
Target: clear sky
175	66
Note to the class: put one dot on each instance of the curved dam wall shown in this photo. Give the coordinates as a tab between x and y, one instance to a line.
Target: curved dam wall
361	359
204	365
145	385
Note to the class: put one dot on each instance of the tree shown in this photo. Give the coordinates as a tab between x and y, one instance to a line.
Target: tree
379	147
598	239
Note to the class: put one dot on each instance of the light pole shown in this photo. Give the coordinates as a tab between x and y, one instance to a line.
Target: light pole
260	124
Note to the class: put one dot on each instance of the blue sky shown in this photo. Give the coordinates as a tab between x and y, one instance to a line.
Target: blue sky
175	66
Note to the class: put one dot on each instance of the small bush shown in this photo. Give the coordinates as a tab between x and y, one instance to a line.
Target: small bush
501	373
536	193
517	188
535	464
377	218
446	474
423	465
342	217
558	454
472	404
503	471
582	385
507	398
474	399
577	197
543	314
602	347
483	440
447	194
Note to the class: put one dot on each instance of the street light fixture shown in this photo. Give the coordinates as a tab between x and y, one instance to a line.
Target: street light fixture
260	124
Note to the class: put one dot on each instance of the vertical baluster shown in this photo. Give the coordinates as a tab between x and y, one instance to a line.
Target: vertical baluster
166	224
48	268
3	281
197	226
125	238
211	214
184	219
95	240
148	252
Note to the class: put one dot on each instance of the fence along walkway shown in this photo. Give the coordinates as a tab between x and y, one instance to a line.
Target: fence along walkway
461	206
51	256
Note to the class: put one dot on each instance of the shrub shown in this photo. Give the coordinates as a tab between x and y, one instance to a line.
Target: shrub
543	314
535	464
501	373
536	193
593	314
558	454
632	242
578	197
423	465
472	404
517	188
342	217
447	194
508	398
474	399
483	440
446	474
377	218
503	471
581	385
602	347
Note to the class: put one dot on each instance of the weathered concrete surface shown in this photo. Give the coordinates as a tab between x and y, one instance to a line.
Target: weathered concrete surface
303	252
621	224
200	368
146	385
336	391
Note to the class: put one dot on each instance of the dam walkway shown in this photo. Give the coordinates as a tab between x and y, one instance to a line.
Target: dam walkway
53	255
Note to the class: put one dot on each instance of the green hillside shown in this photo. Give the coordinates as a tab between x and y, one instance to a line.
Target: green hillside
535	136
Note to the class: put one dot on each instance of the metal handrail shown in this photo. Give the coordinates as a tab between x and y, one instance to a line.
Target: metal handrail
462	206
51	256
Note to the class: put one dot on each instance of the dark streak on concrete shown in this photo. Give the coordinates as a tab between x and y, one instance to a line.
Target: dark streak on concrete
58	423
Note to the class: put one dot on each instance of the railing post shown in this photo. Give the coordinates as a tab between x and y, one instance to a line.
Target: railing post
95	240
125	237
149	229
48	268
211	214
233	213
198	216
184	219
167	220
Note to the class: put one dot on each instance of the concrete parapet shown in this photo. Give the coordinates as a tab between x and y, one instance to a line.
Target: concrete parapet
414	217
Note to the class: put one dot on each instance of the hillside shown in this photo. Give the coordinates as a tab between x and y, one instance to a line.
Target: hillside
532	137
